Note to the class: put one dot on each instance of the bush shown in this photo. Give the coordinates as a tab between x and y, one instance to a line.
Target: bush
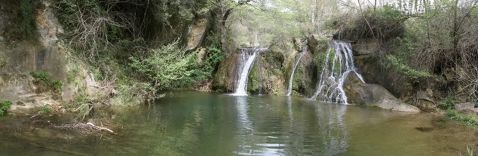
43	78
447	104
45	110
171	67
403	68
381	23
4	106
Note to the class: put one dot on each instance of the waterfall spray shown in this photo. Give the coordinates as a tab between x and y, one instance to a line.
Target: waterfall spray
248	56
338	65
291	78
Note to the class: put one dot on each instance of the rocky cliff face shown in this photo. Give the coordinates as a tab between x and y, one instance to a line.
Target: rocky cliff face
271	71
40	52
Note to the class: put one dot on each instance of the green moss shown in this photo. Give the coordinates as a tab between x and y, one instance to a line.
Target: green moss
4	106
321	58
254	83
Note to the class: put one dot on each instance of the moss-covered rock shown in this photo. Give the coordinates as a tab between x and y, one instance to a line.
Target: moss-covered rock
266	77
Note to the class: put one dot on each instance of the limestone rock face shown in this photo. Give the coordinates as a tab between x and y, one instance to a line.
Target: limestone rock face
374	95
226	74
41	52
197	32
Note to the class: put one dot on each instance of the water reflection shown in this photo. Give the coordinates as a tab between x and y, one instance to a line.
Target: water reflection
244	126
289	127
330	118
243	117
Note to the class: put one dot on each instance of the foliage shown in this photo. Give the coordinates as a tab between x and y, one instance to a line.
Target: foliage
171	67
447	103
45	79
401	67
463	118
380	23
4	106
265	25
444	38
45	109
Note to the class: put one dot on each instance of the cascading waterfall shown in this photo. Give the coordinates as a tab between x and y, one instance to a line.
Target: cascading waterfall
248	56
334	73
291	78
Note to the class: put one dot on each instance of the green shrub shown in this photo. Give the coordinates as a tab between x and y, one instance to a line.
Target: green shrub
463	118
447	103
45	109
45	79
171	67
4	106
403	68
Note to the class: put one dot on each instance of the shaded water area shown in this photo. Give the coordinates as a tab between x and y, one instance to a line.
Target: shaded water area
219	125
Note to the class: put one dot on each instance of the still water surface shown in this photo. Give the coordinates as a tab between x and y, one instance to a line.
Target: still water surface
221	125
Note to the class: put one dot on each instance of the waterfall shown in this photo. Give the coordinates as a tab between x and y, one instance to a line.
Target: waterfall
248	56
338	65
291	78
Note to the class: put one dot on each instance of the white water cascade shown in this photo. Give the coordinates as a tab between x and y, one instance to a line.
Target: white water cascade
248	56
291	78
337	67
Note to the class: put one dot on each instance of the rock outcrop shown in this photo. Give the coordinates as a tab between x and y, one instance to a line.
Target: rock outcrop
374	95
41	52
197	32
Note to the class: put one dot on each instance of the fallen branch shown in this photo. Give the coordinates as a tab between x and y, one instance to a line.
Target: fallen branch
101	128
87	128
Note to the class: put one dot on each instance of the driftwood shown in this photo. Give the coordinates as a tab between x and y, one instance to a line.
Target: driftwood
83	128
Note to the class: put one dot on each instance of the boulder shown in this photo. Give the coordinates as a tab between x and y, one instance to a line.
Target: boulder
470	107
425	101
374	95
